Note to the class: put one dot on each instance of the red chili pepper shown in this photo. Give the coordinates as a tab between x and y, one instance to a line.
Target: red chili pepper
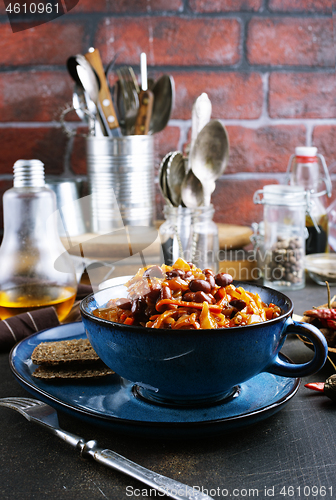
322	313
315	386
330	323
328	387
327	315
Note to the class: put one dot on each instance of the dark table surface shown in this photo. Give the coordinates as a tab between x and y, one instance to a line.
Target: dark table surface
291	454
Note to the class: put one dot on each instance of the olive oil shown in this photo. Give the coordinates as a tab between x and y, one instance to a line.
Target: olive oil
27	298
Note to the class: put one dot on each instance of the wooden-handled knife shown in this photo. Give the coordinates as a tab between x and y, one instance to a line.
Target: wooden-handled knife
105	100
142	121
146	99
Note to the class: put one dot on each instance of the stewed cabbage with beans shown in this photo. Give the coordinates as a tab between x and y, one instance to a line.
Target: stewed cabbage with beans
183	297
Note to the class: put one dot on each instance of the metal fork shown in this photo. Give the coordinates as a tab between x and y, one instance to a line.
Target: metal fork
43	414
130	90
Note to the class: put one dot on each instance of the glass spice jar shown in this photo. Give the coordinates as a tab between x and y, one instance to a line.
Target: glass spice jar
284	235
190	234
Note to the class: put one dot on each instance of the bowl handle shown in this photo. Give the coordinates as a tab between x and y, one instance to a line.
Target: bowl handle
280	367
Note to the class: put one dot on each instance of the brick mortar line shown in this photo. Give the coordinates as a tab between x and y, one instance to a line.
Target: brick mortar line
243	44
246	15
246	176
80	16
265	88
238	176
237	68
186	124
280	121
32	125
184	131
309	133
255	123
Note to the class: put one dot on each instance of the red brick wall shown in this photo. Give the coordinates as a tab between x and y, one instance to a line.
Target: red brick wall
267	66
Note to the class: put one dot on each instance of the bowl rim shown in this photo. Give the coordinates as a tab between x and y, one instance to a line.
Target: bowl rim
144	329
318	260
322	255
321	266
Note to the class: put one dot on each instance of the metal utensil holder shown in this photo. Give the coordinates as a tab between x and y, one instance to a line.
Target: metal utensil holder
120	181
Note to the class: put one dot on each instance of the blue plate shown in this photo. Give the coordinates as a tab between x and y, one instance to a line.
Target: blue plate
112	403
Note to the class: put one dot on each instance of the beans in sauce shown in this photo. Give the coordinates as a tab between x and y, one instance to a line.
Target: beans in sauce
183	296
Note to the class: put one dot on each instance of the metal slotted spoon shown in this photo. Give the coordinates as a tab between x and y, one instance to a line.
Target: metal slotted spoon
46	416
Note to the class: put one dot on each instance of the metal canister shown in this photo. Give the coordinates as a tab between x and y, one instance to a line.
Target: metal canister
71	219
120	181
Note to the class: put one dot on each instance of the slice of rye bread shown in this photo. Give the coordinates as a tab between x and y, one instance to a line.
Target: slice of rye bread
64	352
75	371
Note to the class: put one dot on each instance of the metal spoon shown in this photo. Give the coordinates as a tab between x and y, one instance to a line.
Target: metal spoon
83	74
151	83
72	68
192	191
164	96
118	101
91	85
128	98
79	103
209	156
72	65
111	64
175	173
86	109
163	178
200	116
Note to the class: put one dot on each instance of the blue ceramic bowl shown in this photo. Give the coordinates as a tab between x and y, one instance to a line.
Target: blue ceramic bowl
190	367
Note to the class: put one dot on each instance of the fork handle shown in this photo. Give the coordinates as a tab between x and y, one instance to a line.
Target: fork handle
169	487
68	437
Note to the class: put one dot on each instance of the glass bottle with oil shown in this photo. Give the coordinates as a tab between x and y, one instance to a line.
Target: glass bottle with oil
29	279
308	169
